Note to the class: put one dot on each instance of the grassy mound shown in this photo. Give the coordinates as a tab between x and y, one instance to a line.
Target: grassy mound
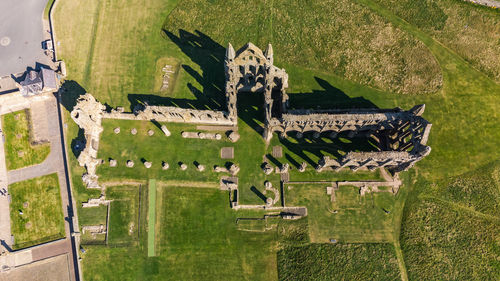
338	262
470	30
344	38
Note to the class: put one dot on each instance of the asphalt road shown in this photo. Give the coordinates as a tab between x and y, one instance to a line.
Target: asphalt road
21	35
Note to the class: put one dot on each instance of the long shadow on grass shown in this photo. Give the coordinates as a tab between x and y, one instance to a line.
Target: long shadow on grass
70	92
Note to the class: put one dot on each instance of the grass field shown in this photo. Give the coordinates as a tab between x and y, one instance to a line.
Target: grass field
41	220
338	262
151	218
470	30
451	228
343	37
116	56
124	215
351	218
196	237
19	149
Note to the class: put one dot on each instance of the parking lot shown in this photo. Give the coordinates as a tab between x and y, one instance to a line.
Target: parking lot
21	35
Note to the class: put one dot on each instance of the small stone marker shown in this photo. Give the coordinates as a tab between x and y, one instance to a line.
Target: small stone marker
130	163
183	166
112	162
201	168
234	169
165	166
233	136
267	168
165	130
148	164
302	167
268	184
117	130
133	131
269	201
151	132
284	168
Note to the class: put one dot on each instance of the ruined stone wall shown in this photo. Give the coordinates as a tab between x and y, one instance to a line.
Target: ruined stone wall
88	114
174	114
251	70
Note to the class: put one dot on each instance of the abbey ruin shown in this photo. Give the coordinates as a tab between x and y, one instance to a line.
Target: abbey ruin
400	135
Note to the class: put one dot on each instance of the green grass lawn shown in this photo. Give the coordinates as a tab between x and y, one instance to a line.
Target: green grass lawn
351	218
124	215
18	144
93	215
197	236
151	218
46	11
41	220
173	149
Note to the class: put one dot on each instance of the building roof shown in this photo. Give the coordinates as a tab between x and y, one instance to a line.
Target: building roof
36	82
49	79
32	83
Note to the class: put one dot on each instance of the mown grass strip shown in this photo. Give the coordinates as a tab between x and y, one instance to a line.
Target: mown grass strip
151	218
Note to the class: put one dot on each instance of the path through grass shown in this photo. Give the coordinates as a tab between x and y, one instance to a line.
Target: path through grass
151	217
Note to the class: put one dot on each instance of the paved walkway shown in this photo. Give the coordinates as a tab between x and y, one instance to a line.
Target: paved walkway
55	163
5	234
